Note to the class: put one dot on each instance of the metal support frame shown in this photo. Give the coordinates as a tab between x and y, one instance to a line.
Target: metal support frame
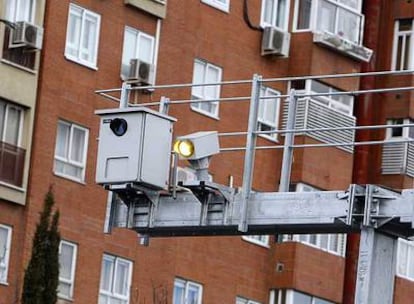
124	99
250	151
160	214
376	267
204	208
288	146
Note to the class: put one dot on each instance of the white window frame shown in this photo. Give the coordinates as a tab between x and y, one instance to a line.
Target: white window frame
138	36
5	255
66	160
327	100
112	294
404	35
84	14
242	300
121	212
259	239
273	125
405	262
109	202
314	16
5	124
181	283
277	295
274	15
405	130
223	5
318	240
13	8
197	106
71	280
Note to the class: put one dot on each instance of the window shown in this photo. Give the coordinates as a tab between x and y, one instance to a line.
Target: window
268	116
186	292
19	10
403	47
275	13
82	36
332	243
136	45
115	284
286	296
341	103
5	240
70	151
400	131
205	73
240	300
303	14
397	156
405	259
223	5
67	261
121	212
11	154
262	240
340	17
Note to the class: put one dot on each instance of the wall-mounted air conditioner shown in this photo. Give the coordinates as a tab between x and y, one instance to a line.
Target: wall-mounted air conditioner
26	35
141	71
275	42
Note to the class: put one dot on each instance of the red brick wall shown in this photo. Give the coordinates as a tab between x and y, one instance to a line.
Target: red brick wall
403	291
226	266
12	215
308	270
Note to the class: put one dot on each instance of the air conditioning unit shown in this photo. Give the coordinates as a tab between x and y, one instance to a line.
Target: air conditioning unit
141	71
26	35
275	42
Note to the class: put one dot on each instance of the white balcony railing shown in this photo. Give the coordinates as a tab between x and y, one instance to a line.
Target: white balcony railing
310	114
398	158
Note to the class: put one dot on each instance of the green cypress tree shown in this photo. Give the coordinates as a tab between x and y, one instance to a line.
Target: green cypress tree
42	274
52	262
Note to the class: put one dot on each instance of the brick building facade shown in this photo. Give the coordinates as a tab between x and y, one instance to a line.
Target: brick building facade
88	44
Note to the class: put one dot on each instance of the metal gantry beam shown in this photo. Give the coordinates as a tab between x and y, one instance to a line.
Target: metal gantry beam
209	209
205	208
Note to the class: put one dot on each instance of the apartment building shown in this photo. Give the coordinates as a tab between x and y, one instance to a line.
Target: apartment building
49	136
19	70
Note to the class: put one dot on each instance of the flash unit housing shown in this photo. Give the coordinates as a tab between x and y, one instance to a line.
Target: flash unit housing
204	144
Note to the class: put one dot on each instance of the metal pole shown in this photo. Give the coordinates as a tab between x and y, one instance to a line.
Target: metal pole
376	267
289	140
164	105
123	102
250	149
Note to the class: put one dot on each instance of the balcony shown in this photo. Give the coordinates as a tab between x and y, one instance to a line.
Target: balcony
11	164
398	158
311	114
308	270
340	26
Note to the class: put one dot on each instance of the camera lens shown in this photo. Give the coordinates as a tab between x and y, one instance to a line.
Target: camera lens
119	126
